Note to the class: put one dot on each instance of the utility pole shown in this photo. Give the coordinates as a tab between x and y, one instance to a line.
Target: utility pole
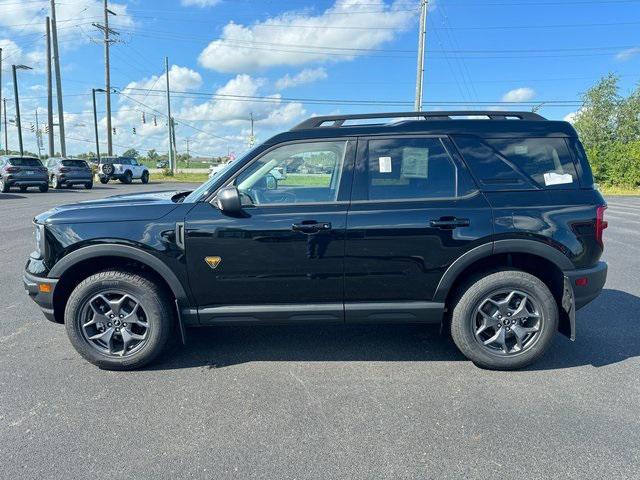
172	165
107	70
6	141
95	123
424	5
56	59
38	135
49	91
252	138
173	140
15	96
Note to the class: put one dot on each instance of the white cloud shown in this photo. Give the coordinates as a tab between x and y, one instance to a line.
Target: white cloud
627	54
522	94
308	75
295	38
199	3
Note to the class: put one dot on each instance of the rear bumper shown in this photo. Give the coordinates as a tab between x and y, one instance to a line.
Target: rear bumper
44	299
75	180
590	283
26	182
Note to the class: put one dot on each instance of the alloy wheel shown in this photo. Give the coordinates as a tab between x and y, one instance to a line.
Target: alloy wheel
114	323
507	322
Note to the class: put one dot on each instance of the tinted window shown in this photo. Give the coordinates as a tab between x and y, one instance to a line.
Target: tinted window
74	163
546	160
487	166
297	173
25	162
409	168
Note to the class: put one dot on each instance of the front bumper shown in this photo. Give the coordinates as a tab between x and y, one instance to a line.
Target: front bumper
587	283
40	289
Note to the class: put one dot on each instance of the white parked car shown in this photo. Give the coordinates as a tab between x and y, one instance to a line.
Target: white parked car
121	168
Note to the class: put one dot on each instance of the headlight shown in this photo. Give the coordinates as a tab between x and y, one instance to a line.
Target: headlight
39	239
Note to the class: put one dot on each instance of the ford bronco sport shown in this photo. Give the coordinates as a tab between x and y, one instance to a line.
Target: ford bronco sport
490	227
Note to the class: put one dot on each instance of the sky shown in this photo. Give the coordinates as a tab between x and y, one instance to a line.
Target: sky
282	61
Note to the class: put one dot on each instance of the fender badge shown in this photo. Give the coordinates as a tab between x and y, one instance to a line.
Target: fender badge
213	262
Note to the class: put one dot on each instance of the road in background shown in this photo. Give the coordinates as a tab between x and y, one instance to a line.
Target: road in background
315	401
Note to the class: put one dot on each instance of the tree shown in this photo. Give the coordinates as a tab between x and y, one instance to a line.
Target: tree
152	155
609	127
132	153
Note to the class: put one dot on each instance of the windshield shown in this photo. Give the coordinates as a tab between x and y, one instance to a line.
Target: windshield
25	162
74	163
207	187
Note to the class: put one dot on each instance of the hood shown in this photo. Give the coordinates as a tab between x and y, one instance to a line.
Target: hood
119	208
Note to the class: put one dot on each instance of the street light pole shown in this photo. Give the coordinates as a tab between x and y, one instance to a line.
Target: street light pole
424	5
16	98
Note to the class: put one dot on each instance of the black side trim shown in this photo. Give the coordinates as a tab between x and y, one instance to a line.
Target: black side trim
458	266
115	250
393	312
534	247
273	314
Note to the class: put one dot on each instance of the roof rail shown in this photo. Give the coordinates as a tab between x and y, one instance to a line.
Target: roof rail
338	120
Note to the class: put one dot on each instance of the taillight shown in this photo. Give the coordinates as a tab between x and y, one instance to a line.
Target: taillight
601	224
13	169
63	170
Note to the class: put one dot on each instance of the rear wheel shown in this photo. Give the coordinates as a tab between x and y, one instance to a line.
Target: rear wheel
104	180
119	320
23	188
44	187
504	320
4	188
127	177
88	185
145	177
55	183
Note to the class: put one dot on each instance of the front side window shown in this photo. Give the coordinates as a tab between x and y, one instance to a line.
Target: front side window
295	173
410	168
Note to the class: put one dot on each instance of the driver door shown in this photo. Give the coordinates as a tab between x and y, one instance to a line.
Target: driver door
282	259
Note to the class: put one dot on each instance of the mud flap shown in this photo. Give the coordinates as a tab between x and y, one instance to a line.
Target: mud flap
568	312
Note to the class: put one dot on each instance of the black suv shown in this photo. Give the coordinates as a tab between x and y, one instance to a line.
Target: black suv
490	227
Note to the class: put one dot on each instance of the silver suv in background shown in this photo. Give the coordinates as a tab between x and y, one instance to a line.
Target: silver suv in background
66	172
121	168
22	172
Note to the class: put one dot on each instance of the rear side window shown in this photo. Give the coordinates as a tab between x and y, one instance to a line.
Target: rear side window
74	163
25	162
547	161
411	168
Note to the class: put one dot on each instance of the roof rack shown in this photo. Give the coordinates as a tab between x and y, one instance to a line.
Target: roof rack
338	120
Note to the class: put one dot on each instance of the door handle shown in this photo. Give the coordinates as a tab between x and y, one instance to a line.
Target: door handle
309	227
449	223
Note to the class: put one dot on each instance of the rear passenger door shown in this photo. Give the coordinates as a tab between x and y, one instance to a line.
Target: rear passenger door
414	211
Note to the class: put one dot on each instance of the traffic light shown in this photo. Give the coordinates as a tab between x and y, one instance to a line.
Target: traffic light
32	127
114	130
144	120
155	121
134	130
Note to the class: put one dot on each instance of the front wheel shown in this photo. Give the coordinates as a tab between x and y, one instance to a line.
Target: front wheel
504	320
119	320
4	188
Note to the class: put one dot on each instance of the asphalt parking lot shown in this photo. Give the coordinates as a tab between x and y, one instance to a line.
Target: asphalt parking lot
319	402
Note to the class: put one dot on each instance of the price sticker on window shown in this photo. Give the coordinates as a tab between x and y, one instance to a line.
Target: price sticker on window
384	164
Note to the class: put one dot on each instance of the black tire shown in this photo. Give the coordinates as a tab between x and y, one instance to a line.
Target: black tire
44	188
55	183
4	188
88	185
145	177
127	177
23	188
104	180
465	309
159	314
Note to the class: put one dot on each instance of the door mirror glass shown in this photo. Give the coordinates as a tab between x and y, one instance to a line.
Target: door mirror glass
228	200
270	182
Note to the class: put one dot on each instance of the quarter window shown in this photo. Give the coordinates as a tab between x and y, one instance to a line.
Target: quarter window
410	168
295	173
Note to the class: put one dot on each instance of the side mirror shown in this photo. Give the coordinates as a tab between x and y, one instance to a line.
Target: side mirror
271	182
228	200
